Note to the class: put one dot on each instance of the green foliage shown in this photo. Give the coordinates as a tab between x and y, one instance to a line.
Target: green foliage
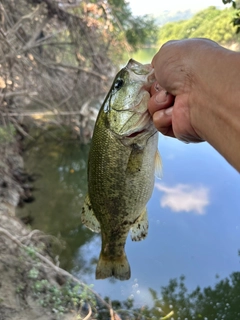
236	18
7	133
141	31
210	23
33	273
176	302
62	299
31	251
137	30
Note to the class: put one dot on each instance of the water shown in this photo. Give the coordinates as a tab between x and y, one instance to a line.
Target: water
194	224
194	228
145	55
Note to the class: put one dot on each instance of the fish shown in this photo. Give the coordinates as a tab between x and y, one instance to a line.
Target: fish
123	159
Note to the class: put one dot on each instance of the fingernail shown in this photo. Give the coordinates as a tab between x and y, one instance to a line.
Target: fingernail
168	111
161	97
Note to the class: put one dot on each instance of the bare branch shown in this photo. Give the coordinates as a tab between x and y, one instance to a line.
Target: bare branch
21	130
17	93
89	313
54	58
19	23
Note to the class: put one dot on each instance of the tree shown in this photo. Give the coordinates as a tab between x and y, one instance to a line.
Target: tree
175	302
62	55
210	23
236	19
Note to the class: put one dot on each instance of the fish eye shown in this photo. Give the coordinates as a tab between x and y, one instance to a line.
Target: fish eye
118	84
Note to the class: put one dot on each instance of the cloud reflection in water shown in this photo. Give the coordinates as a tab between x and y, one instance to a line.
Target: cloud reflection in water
184	197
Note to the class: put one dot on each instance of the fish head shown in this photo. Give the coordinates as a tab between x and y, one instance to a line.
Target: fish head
125	106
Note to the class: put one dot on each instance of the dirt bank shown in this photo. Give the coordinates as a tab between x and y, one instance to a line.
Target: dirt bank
23	277
32	286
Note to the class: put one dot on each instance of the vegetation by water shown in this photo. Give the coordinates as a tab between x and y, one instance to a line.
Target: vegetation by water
210	23
219	302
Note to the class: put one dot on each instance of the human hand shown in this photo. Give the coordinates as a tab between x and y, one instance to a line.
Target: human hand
180	68
170	115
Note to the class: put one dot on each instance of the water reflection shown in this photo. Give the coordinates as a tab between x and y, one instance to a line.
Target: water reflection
175	302
184	197
194	217
60	191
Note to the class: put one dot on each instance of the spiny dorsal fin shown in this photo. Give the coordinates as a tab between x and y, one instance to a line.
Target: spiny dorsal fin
158	165
139	230
88	217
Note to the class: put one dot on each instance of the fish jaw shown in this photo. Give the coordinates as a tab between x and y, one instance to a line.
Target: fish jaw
139	133
136	125
138	69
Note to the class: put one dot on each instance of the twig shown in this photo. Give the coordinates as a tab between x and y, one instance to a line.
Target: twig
29	236
60	66
89	313
171	313
43	103
36	33
113	314
41	43
46	113
17	93
23	132
18	24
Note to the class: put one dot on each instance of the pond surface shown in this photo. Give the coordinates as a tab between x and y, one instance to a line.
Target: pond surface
194	221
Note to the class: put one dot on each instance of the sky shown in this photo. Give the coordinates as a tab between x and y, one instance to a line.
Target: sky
156	7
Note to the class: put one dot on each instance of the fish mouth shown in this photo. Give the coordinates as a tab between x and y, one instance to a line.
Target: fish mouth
145	71
140	127
138	66
136	133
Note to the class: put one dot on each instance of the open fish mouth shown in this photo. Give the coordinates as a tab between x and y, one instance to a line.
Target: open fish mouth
140	127
136	133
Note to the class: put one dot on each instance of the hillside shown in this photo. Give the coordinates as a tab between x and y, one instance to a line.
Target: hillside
210	23
172	16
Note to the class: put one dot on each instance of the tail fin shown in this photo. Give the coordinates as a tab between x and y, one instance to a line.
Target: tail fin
118	268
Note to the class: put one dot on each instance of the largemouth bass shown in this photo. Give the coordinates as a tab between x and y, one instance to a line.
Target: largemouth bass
122	159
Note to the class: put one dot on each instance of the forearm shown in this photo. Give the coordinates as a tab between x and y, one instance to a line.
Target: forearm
204	79
216	116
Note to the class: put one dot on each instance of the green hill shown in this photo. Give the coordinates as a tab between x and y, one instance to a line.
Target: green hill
171	16
210	23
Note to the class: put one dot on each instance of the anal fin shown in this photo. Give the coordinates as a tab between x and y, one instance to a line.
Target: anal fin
88	217
139	230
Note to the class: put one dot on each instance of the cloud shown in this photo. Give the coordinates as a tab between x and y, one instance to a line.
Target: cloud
184	197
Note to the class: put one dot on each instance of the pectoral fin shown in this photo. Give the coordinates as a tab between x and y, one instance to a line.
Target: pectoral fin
158	165
139	230
88	217
135	161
